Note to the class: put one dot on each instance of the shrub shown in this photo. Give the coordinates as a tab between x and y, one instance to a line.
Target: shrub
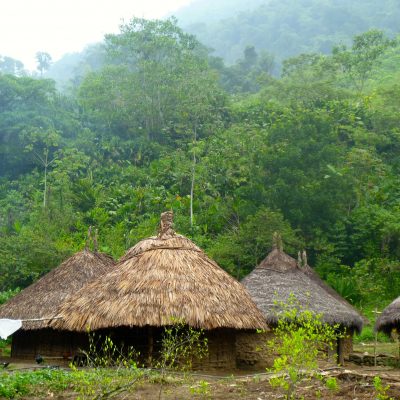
299	337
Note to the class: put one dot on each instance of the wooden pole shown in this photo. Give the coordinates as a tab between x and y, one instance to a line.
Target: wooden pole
340	351
398	343
150	345
376	312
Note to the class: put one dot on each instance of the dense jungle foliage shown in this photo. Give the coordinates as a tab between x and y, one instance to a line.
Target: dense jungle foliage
236	153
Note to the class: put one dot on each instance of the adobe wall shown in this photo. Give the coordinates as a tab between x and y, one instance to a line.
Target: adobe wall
221	351
252	353
251	350
348	345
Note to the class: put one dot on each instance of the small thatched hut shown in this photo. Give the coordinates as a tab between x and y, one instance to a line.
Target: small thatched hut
280	276
390	318
39	302
162	278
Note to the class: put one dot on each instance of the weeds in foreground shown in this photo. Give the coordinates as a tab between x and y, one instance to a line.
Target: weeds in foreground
113	369
300	337
180	345
86	383
5	349
381	390
332	384
202	389
15	384
102	355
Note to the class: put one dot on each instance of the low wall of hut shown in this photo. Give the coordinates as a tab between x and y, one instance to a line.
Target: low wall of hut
348	346
146	341
344	346
252	353
27	344
221	351
251	350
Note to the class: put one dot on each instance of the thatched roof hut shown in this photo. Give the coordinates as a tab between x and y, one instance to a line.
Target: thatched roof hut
279	276
38	303
160	278
390	318
41	299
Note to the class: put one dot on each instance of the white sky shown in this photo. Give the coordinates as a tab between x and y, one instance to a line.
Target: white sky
62	26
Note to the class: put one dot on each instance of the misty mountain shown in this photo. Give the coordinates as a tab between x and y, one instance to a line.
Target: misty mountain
285	28
278	28
70	69
214	11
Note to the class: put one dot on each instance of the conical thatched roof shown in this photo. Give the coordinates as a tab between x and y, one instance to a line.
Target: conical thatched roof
161	278
42	298
390	317
279	276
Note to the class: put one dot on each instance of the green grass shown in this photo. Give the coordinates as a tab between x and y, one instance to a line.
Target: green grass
368	335
86	383
381	348
15	384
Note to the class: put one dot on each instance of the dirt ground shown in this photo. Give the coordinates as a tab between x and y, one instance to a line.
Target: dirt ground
354	383
351	385
250	390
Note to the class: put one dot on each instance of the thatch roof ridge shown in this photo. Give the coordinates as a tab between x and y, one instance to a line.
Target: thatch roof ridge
279	275
176	242
389	318
161	278
41	298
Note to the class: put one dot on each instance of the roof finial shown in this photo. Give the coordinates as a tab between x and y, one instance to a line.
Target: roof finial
165	230
299	260
88	238
95	242
304	257
277	241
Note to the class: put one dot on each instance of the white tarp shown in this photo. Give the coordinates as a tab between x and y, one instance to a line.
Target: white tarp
8	327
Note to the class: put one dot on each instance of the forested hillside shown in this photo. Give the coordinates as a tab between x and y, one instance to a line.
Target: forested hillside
235	152
284	28
274	29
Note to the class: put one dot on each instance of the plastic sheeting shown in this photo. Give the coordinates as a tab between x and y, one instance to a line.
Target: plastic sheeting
9	326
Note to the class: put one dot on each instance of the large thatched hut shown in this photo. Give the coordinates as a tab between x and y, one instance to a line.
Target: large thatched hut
163	278
279	277
38	303
390	318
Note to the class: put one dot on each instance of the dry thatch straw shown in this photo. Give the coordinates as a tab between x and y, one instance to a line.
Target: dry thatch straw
42	298
161	278
390	317
279	276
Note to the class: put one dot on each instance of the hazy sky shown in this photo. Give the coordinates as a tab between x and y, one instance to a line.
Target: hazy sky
61	26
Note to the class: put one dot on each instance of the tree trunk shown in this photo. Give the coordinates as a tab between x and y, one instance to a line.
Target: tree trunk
45	182
193	178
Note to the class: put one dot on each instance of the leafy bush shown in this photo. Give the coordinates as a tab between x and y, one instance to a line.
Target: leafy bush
332	383
299	338
381	390
6	295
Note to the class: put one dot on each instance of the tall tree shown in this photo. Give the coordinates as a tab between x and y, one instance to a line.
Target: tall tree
43	61
363	57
